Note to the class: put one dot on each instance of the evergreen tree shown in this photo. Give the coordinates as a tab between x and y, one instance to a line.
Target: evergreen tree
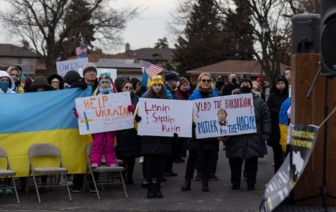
204	41
83	33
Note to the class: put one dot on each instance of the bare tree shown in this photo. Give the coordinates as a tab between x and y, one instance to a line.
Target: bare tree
42	24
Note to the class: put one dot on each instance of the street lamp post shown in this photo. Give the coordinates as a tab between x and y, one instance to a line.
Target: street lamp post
265	29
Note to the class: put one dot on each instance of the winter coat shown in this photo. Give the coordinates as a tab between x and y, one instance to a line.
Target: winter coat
173	93
128	142
274	103
228	88
160	145
204	144
183	95
251	145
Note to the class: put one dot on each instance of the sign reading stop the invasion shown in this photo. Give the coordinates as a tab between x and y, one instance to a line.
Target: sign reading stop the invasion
223	116
104	113
163	117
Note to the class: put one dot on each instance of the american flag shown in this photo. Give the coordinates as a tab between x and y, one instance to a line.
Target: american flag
151	69
82	49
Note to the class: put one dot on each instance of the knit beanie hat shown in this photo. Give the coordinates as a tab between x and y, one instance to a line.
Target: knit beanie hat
156	80
71	76
245	80
89	67
105	77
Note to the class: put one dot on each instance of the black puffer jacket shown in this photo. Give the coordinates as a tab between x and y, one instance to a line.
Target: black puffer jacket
128	141
274	103
250	145
152	145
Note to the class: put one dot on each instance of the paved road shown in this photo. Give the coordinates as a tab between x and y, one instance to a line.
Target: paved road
219	198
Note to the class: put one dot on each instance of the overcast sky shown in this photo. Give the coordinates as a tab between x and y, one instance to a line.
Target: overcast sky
141	32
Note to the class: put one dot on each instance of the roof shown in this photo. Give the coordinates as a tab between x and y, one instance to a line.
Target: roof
5	64
250	67
9	50
118	63
94	58
147	53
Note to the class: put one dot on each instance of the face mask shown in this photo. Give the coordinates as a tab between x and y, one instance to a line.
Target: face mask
178	84
245	89
233	80
188	88
4	85
105	90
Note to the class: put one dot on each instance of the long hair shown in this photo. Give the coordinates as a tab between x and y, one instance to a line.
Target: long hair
200	78
162	93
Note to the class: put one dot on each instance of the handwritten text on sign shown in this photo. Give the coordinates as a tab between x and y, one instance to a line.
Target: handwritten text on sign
104	113
163	117
64	66
222	116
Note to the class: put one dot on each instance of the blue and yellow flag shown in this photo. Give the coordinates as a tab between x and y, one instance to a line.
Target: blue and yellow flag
283	123
42	117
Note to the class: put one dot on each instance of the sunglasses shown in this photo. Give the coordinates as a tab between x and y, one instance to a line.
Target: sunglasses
126	87
206	80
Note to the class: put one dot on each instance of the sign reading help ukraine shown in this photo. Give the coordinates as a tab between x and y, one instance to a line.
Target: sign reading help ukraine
163	117
42	117
104	113
224	116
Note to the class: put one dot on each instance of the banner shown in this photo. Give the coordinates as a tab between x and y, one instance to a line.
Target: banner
104	113
42	117
224	116
302	143
77	64
164	117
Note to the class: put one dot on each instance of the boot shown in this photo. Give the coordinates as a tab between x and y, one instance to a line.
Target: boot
157	192
150	191
205	187
186	186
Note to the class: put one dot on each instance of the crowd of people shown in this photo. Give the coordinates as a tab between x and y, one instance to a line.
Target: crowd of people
160	153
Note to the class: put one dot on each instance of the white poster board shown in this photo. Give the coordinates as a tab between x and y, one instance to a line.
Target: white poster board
77	64
164	117
224	116
104	113
113	72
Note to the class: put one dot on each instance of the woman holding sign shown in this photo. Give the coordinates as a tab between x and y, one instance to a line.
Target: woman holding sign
248	147
155	148
204	89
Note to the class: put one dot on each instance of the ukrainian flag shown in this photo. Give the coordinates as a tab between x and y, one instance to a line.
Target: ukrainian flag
283	123
42	117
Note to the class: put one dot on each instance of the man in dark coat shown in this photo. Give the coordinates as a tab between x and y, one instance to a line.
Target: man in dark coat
274	102
249	147
229	87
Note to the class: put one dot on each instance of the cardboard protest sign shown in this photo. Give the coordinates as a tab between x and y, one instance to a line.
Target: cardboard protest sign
163	117
303	138
77	64
224	116
104	113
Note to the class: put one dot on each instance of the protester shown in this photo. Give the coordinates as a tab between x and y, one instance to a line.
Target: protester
129	143
6	83
70	78
136	83
89	79
274	103
56	81
257	89
248	147
207	146
288	75
118	82
155	148
13	72
40	84
229	87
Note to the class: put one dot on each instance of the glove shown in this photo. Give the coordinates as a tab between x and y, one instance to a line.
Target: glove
175	136
137	118
194	125
82	85
265	136
75	112
130	108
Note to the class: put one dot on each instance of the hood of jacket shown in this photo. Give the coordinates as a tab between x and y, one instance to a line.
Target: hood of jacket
11	81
